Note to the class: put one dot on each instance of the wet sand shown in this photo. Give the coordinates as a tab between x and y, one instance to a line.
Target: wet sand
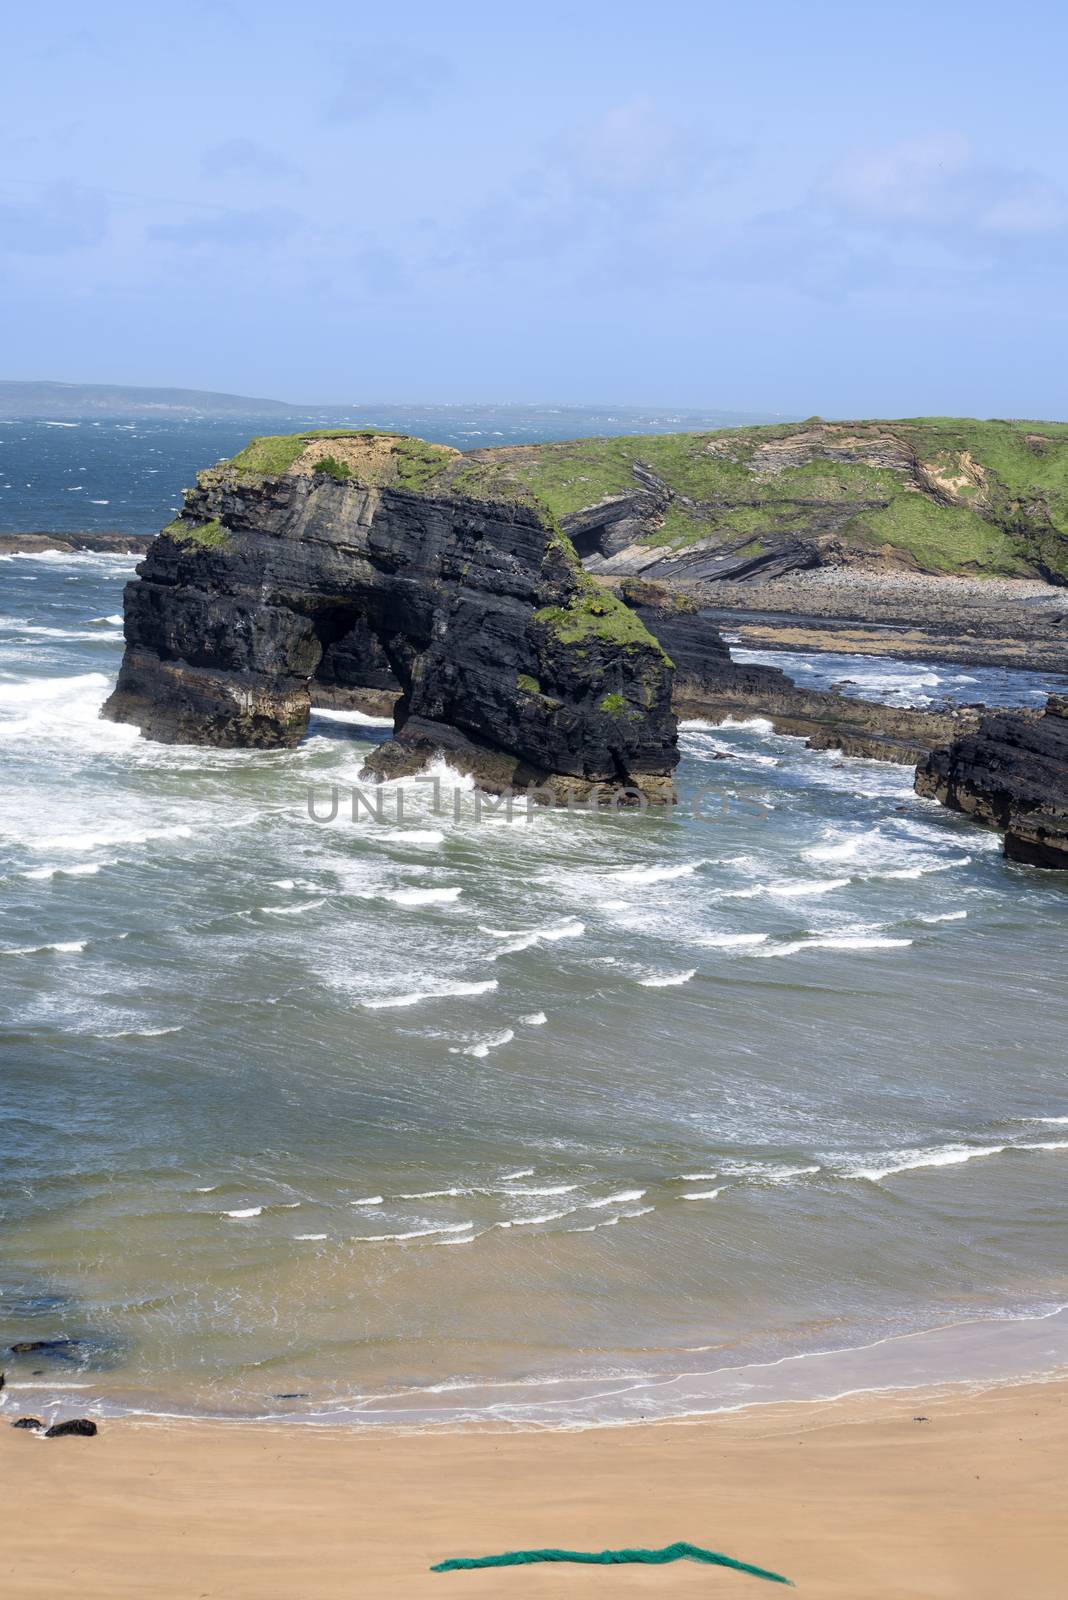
853	1500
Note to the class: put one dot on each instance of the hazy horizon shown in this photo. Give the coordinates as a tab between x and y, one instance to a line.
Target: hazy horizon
832	217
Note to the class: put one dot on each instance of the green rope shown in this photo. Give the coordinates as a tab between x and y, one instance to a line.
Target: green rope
609	1558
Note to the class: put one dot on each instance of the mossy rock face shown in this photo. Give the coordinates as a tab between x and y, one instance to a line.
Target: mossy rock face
204	535
596	615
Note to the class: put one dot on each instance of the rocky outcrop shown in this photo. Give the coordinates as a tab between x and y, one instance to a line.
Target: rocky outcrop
32	544
316	559
1011	774
709	685
75	1428
933	495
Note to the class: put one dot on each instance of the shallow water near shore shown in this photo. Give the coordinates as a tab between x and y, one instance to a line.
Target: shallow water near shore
427	1117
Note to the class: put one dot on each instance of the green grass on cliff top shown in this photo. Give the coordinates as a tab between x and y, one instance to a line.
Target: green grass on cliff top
273	453
719	495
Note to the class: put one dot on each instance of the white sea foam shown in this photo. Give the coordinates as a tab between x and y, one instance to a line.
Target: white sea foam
925	869
368	1200
702	1194
620	1199
753	724
310	1236
418	836
646	875
952	1155
697	1177
532	1222
283	883
445	991
421	897
358	718
843	850
797	889
535	1019
946	916
831	941
85	869
515	946
547	1189
767	1171
90	841
429	1194
729	941
482	1047
292	911
522	1172
667	980
412	1233
571	928
140	1033
247	1211
67	947
42	690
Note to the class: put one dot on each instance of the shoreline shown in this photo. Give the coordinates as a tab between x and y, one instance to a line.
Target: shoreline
994	1350
993	622
924	1492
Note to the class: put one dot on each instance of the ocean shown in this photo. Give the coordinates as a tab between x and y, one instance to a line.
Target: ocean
761	1098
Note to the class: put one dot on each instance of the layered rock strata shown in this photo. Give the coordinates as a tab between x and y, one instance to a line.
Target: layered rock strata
315	559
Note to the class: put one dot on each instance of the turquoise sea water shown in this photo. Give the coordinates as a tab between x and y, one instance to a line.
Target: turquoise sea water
554	1117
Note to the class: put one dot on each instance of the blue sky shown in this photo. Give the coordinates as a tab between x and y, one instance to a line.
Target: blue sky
801	208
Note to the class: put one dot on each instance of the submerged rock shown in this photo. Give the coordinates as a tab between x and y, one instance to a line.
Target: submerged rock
310	563
32	1423
1012	774
60	1349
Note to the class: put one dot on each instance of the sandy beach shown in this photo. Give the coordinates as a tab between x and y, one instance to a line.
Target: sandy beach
853	1500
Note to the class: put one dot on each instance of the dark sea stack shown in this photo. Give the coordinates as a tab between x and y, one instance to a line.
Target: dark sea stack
712	687
75	1428
315	565
31	1424
1011	774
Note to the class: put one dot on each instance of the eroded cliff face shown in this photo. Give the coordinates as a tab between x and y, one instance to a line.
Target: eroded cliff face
334	555
1012	774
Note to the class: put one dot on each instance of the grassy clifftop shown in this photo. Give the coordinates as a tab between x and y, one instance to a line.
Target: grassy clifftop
941	494
938	494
